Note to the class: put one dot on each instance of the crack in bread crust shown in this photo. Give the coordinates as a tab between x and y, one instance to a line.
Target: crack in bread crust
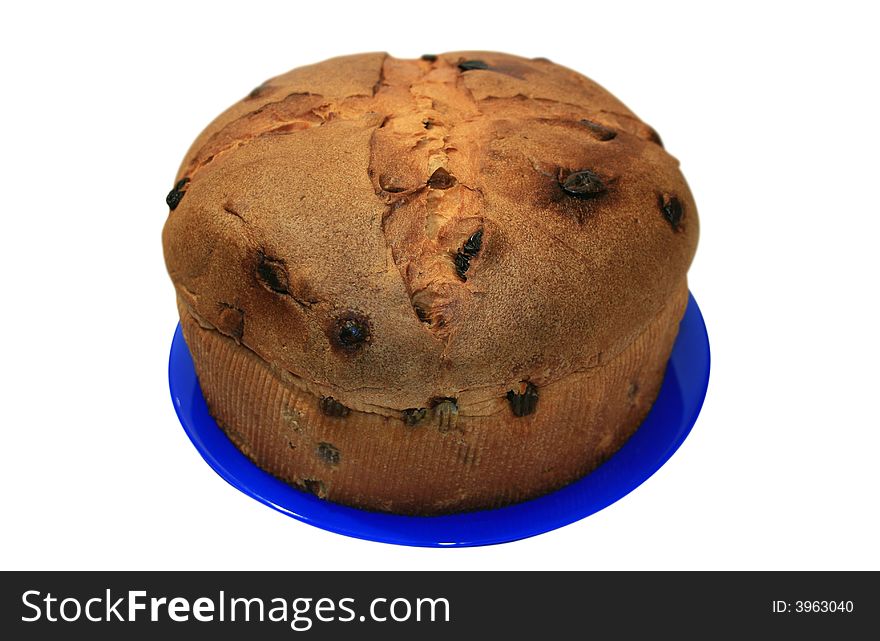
449	462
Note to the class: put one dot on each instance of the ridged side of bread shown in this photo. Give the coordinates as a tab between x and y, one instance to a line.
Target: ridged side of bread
440	464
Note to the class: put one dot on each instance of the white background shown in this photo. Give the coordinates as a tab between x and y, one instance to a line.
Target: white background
772	109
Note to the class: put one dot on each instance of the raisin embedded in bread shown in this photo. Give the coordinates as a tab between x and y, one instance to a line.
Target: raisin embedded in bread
429	285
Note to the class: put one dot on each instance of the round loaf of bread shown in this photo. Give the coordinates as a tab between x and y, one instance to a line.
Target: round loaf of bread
434	285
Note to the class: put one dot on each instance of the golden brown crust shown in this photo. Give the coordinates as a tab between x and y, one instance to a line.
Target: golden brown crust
317	199
430	285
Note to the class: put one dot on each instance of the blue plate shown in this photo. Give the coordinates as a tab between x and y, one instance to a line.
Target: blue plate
663	431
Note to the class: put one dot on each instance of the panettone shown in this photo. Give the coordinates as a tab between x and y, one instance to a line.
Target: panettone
433	285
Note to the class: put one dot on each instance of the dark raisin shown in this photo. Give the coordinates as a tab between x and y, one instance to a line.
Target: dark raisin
599	132
176	194
525	401
328	453
672	211
583	184
473	244
471	65
468	251
352	332
429	57
314	486
331	407
414	415
462	264
428	123
441	179
272	274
